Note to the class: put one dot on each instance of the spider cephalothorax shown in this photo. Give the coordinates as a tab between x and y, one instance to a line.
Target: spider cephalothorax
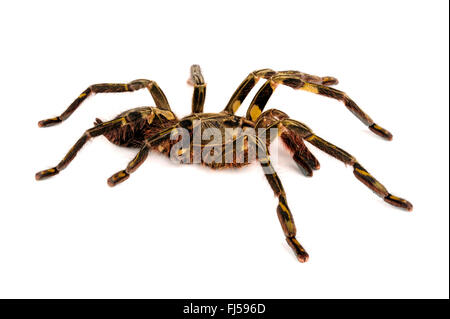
225	140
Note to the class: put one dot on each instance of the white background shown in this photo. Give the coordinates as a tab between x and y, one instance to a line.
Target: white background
186	231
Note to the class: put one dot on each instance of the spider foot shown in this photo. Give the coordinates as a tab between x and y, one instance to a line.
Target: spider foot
305	169
117	178
306	162
49	122
381	131
329	80
399	202
298	249
46	173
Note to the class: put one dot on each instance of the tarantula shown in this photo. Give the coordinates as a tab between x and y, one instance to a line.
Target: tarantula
152	128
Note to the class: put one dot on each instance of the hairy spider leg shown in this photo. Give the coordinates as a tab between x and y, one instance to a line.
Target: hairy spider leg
360	172
97	130
296	81
198	82
123	175
322	80
250	81
156	92
244	89
305	160
284	213
140	157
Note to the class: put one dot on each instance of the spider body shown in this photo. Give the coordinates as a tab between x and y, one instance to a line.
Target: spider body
224	140
146	122
212	152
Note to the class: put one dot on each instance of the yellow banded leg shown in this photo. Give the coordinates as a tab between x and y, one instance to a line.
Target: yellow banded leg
140	157
296	82
290	78
137	161
367	179
244	89
286	218
322	80
260	100
360	172
156	92
93	132
283	212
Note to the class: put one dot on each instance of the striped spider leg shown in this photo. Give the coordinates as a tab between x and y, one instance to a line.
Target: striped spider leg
295	131
140	157
156	92
97	130
252	79
295	80
284	213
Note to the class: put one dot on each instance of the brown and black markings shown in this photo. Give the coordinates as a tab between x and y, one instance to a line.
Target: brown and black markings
151	129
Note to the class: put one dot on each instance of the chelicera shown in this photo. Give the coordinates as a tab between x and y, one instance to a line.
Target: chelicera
152	128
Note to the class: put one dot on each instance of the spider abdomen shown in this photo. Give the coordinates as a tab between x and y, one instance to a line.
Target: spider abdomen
145	122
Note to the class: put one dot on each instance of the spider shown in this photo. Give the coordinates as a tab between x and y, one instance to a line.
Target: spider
151	128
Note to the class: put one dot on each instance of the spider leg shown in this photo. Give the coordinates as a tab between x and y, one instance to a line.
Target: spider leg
140	157
322	80
293	141
250	81
284	214
245	87
198	98
297	81
301	155
121	176
156	92
360	172
97	130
